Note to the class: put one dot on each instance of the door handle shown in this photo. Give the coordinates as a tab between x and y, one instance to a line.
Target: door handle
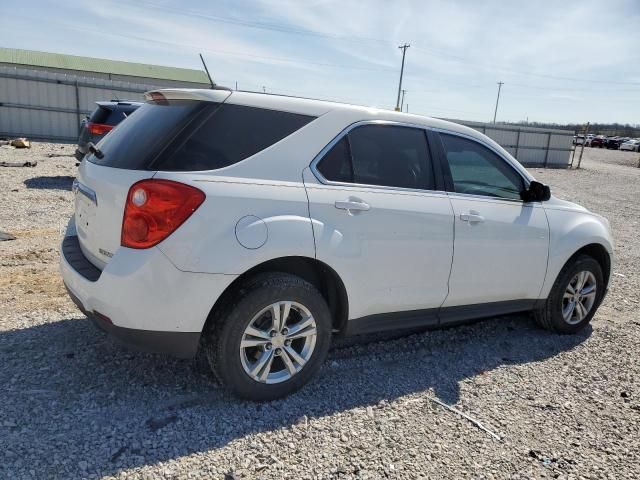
352	205
472	217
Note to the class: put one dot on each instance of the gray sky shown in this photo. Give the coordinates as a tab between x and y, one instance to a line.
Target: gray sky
559	61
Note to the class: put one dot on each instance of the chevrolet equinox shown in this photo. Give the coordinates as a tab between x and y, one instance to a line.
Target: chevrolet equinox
259	226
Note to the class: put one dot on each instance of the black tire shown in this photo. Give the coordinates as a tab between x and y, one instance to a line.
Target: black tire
549	316
229	323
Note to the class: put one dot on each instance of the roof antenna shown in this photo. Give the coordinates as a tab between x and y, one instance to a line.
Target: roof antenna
213	84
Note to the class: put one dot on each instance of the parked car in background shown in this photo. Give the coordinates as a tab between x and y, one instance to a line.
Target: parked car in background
102	121
597	141
632	145
613	143
578	139
260	227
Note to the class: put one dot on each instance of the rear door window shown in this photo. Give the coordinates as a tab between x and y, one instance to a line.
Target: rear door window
386	155
229	135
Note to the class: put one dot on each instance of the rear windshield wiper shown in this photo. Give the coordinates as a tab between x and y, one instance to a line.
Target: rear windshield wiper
95	150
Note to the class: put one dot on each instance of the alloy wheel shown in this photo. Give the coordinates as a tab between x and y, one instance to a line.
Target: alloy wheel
579	297
278	342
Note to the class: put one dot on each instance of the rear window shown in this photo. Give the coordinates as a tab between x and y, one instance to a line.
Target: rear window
191	135
147	132
112	115
229	135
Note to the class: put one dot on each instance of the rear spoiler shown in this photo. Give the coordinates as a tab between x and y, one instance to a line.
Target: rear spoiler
218	95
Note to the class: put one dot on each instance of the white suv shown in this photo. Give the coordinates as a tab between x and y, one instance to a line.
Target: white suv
259	226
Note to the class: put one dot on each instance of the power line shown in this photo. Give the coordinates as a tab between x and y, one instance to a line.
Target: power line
281	28
276	27
467	61
231	53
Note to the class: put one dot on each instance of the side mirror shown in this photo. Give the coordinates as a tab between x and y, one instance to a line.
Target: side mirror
537	192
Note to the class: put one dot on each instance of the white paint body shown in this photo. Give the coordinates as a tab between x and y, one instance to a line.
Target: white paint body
409	251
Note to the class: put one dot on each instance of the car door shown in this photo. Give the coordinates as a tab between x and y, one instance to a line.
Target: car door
379	221
501	243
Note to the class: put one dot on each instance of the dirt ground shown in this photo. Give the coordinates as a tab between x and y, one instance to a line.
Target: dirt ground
77	405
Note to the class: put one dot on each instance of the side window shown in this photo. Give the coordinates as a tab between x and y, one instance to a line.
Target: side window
231	134
336	164
477	170
391	156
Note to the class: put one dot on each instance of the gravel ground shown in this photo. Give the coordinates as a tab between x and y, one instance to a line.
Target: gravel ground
74	404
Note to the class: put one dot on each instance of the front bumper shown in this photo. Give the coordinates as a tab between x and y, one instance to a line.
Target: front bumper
141	298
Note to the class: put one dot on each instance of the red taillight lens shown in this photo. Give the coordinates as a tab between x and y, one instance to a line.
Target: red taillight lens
155	209
158	98
98	128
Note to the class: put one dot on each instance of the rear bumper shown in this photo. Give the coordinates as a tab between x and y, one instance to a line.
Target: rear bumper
178	344
141	298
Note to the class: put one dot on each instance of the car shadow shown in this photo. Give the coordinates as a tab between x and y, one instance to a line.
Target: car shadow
61	182
76	403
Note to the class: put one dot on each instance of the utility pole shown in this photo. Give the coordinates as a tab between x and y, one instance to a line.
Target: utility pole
404	52
402	100
584	140
236	85
497	100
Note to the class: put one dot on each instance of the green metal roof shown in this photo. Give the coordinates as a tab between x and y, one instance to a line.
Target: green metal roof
87	64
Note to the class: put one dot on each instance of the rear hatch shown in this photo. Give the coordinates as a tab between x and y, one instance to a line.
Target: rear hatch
128	154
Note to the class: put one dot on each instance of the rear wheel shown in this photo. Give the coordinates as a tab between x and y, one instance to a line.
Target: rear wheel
574	298
271	339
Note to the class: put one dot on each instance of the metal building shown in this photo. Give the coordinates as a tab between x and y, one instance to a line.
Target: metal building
533	147
44	96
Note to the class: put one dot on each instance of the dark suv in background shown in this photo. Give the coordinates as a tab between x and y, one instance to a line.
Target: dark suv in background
101	122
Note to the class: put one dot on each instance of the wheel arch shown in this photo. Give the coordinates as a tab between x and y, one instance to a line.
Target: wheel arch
599	253
318	273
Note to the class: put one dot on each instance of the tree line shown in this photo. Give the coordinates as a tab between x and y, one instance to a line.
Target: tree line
608	129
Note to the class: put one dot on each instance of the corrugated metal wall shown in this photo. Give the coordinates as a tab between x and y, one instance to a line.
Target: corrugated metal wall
109	76
49	106
533	147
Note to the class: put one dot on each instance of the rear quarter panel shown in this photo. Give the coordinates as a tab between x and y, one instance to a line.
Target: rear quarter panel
208	241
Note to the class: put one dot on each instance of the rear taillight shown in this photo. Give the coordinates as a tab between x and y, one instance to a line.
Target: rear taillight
98	128
158	98
155	209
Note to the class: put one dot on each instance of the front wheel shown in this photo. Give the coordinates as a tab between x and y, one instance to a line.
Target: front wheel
271	339
574	298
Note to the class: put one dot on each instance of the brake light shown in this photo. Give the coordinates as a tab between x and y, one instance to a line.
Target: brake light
155	209
98	128
158	98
